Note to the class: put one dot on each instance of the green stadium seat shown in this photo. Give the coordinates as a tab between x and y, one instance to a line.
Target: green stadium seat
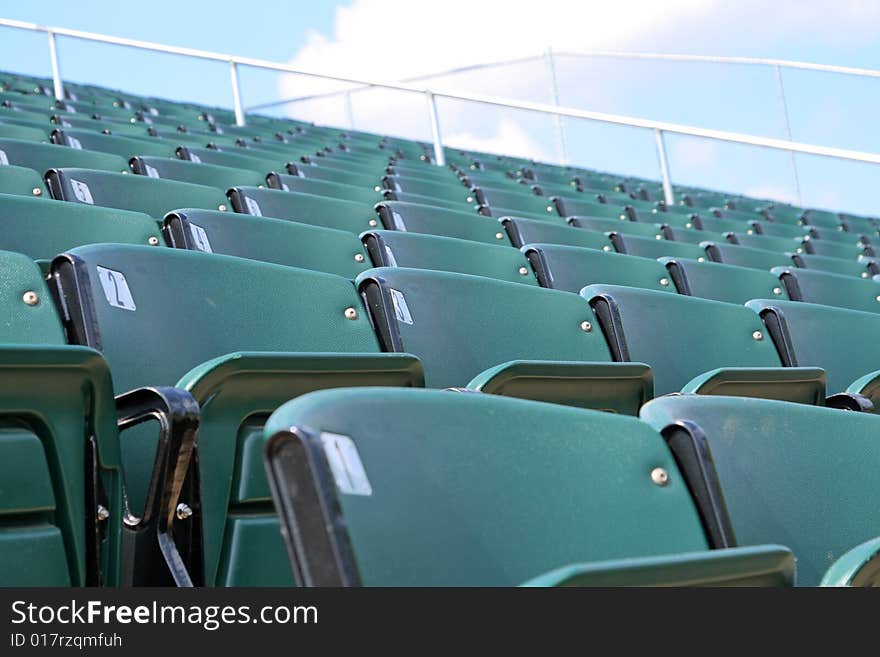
839	340
305	208
288	183
21	181
503	516
572	268
395	248
234	159
533	231
567	207
784	449
516	200
627	227
42	157
834	249
353	177
863	267
653	248
698	345
269	240
447	188
729	283
116	145
235	357
8	131
211	175
151	196
768	243
499	337
814	286
744	256
395	215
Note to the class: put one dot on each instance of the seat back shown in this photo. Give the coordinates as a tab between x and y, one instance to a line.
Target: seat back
766	457
729	283
42	157
21	181
412	217
459	325
212	175
289	183
501	515
680	337
538	231
814	286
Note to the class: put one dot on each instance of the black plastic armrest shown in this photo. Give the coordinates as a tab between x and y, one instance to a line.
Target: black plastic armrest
149	549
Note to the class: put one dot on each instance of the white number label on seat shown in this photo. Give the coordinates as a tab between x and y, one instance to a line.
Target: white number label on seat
200	238
116	288
81	191
401	309
345	464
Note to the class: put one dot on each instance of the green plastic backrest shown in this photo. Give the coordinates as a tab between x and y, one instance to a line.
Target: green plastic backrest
26	319
305	208
459	325
450	187
192	172
42	228
744	256
539	231
21	181
415	218
365	179
829	289
270	240
123	146
770	456
231	158
446	203
624	226
571	268
395	248
27	133
189	307
342	191
42	157
680	337
729	283
646	247
839	340
484	490
575	207
515	199
839	249
860	267
772	243
151	196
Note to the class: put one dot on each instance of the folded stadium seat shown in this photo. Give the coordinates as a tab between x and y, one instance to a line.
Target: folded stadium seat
42	157
769	243
862	266
394	215
528	231
152	196
8	131
457	204
714	224
21	181
654	248
744	256
305	208
270	240
784	448
859	224
627	227
64	511
119	295
842	237
814	286
123	146
242	160
395	248
341	191
353	177
503	519
689	235
834	249
212	175
572	268
516	200
569	208
776	229
840	340
501	338
727	352
729	283
451	188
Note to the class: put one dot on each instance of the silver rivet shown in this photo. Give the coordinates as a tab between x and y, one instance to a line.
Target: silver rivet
749	232
153	241
664	281
101	513
469	199
358	257
586	327
777	290
377	188
499	236
350	313
606	248
30	298
622	217
373	223
658	237
183	511
221	207
523	271
840	228
799	250
36	191
549	208
701	259
659	476
864	274
757	335
688	225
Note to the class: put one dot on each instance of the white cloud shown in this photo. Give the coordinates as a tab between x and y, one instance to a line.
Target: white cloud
771	193
509	138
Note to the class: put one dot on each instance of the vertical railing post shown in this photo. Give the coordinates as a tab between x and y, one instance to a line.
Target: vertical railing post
439	157
57	85
554	95
668	196
349	111
236	93
780	88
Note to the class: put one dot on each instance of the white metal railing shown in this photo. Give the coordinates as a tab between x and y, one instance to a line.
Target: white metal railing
659	128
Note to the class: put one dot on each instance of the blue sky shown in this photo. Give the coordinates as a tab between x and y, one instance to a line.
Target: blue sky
390	39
